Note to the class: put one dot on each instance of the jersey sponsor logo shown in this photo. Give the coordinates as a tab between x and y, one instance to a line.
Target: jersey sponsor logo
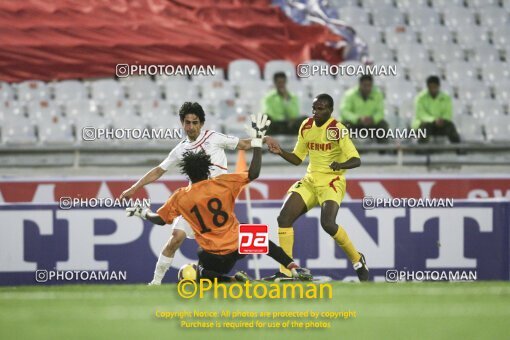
319	146
253	239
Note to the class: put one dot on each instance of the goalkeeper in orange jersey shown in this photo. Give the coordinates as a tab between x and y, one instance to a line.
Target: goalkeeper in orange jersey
207	204
331	153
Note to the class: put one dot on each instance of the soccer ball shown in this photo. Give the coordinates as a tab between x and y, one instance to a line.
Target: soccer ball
188	272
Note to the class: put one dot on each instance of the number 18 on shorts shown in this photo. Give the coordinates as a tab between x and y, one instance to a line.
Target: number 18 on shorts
253	239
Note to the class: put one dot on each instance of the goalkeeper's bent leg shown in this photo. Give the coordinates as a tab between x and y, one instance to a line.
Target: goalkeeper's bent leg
280	256
211	275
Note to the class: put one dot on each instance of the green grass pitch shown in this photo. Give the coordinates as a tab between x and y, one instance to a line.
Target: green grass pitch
479	310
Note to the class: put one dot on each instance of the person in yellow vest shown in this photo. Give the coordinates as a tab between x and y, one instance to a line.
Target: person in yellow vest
433	112
363	107
282	107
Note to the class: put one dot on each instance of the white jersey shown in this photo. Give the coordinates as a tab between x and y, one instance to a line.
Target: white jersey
212	142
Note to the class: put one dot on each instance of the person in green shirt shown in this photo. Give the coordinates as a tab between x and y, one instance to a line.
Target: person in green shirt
434	112
363	107
282	107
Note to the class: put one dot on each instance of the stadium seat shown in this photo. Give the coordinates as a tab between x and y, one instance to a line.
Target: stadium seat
274	66
469	128
117	108
181	90
299	89
410	54
497	128
161	79
218	90
13	110
369	34
17	129
493	72
57	131
485	108
502	91
106	89
76	110
482	3
33	90
493	17
239	119
441	4
424	16
384	16
376	3
460	72
420	71
472	36
473	91
434	35
243	69
219	74
351	14
411	4
69	90
6	92
380	52
143	88
252	89
443	53
406	112
397	35
343	3
43	110
501	37
399	91
458	18
329	86
154	110
484	53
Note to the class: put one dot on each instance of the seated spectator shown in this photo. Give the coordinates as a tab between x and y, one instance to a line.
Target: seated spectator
282	107
433	112
363	107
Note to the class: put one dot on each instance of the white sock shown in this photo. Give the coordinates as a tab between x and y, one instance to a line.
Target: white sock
161	267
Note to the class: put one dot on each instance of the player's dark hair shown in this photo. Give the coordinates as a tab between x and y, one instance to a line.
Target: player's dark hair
327	98
193	108
195	165
279	75
433	80
366	77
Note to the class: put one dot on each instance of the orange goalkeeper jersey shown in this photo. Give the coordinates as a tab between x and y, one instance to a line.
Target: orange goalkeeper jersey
208	206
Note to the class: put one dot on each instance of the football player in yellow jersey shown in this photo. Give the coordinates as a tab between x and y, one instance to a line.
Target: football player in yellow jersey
331	153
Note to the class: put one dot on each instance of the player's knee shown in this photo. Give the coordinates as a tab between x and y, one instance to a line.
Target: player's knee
329	226
175	242
283	221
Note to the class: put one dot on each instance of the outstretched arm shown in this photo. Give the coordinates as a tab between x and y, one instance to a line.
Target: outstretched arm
257	131
255	165
151	176
290	157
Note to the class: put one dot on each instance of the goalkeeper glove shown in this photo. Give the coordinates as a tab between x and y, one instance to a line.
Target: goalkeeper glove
257	131
137	211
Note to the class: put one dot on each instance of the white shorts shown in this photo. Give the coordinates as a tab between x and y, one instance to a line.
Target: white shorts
181	224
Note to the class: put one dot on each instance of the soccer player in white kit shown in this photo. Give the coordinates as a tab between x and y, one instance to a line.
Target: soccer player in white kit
214	144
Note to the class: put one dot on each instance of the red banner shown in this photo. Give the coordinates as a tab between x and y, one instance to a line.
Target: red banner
48	191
